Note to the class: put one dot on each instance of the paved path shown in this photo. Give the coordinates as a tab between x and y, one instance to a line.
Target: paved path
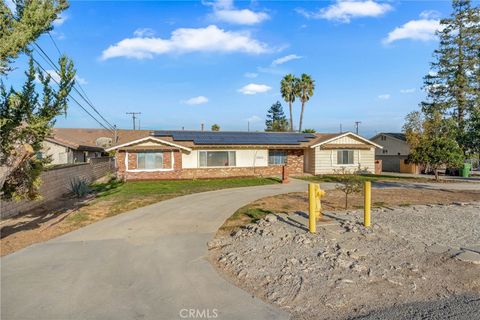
149	263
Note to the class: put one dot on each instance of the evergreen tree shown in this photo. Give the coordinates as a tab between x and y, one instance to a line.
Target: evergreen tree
452	85
215	127
431	141
26	116
276	120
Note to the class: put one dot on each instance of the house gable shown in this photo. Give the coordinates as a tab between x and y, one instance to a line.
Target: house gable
348	139
150	143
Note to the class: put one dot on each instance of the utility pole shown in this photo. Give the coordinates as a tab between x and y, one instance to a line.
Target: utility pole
356	126
248	126
341	129
115	139
134	117
202	125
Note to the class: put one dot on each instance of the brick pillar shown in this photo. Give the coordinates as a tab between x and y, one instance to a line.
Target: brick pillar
285	174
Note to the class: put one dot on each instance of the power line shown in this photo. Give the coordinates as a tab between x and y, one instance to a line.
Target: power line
60	54
54	43
83	96
79	104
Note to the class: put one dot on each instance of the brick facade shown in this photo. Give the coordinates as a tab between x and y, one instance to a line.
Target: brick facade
294	166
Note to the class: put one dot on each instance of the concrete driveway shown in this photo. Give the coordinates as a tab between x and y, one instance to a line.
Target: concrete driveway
149	263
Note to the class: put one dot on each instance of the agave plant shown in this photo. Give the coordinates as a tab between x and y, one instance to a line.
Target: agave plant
79	187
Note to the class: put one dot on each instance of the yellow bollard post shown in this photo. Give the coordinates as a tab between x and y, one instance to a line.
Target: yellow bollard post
318	205
367	191
311	208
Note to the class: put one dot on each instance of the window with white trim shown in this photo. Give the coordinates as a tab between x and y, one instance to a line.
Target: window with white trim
345	157
150	160
217	158
277	157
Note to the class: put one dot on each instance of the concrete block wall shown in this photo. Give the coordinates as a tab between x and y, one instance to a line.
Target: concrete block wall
56	182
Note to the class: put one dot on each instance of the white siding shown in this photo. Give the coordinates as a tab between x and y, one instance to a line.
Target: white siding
244	158
59	154
326	161
391	146
346	140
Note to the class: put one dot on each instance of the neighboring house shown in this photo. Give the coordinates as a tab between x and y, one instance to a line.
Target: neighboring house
202	154
67	145
395	150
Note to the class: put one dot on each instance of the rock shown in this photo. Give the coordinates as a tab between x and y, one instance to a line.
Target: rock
271	218
215	243
237	233
347	281
469	256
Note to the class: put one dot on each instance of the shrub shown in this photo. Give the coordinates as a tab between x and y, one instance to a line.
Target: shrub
348	183
79	187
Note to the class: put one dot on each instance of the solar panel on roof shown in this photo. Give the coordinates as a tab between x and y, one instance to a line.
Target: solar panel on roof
237	138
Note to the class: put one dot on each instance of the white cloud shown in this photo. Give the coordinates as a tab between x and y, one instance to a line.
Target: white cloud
410	90
422	30
430	14
54	75
225	11
196	100
250	75
80	80
284	59
144	33
254	88
254	119
62	17
345	10
384	96
184	40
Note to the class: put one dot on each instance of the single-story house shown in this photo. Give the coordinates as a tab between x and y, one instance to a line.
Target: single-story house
394	152
206	154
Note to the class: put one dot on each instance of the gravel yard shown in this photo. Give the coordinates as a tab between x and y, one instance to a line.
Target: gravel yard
415	254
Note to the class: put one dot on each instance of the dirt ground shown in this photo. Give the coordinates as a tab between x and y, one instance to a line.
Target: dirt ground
410	254
334	200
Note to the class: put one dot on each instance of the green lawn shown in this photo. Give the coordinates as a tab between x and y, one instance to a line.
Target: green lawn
116	197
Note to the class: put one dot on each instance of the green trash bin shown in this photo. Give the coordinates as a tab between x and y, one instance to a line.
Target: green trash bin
466	170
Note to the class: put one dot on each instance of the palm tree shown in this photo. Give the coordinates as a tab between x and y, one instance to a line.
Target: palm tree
305	86
289	92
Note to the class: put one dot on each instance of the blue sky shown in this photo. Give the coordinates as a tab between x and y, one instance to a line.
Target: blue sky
185	63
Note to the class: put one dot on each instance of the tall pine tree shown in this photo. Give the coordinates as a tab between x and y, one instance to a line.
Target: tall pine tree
276	120
452	85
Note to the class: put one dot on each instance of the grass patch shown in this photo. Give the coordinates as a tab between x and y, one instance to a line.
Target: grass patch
116	197
245	215
404	205
379	204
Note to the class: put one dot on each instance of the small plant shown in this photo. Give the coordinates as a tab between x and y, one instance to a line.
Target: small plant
79	187
348	183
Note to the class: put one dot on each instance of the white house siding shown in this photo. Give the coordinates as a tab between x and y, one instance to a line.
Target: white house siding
59	154
244	158
346	140
391	146
326	160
